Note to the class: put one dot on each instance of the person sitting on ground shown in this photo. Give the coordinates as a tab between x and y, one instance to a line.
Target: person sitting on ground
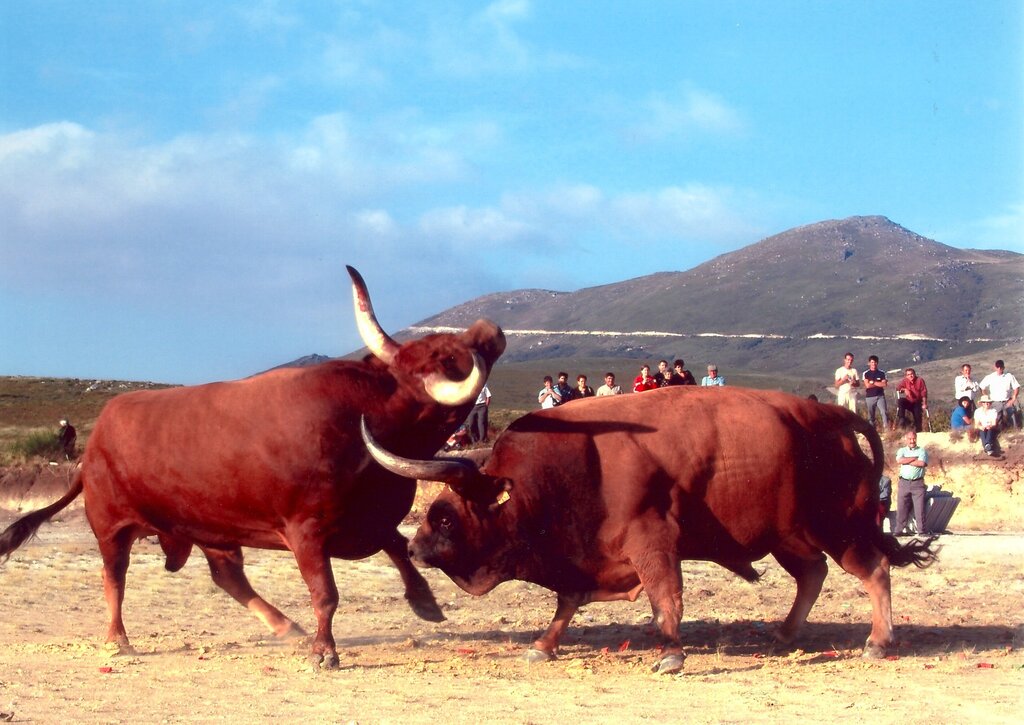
712	379
986	420
548	397
682	376
960	418
582	390
644	381
609	387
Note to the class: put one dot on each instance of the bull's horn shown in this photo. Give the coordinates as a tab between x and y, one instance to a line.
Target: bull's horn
454	471
456	392
378	341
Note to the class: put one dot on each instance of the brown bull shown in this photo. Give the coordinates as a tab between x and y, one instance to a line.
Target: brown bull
276	461
604	498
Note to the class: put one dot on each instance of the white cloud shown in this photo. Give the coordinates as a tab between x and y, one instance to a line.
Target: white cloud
682	114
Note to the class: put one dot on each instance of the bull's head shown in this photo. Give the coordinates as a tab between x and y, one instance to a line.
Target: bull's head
463	534
437	382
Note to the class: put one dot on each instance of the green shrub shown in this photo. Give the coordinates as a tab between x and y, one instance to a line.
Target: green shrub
36	444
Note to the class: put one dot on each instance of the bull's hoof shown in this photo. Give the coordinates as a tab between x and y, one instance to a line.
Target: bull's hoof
534	656
669	664
325	660
426	607
873	652
291	631
115	649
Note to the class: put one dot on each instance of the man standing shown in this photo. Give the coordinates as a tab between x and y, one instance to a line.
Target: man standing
1002	389
476	422
683	376
847	382
913	397
563	388
659	377
874	392
964	386
912	461
712	379
66	437
609	387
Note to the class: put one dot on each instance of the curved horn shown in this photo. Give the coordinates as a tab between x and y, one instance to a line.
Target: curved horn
453	471
456	392
378	341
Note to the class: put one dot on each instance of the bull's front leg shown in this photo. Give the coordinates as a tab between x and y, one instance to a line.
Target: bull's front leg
417	591
546	646
315	567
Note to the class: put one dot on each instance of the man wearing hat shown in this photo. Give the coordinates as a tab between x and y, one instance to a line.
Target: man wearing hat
986	420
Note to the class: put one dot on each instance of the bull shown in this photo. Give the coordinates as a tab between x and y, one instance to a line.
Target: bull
602	499
276	461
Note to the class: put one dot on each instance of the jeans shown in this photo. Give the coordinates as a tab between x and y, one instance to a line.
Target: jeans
878	402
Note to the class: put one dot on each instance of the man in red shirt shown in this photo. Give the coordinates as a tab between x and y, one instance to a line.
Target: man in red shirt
913	399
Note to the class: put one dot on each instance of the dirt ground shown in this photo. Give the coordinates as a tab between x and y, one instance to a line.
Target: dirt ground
201	657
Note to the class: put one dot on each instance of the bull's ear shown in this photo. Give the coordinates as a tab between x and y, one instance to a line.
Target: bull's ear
503	491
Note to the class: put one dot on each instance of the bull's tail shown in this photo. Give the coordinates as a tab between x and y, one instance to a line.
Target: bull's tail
25	528
920	552
867	429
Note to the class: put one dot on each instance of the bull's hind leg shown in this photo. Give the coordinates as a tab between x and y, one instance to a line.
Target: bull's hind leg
226	567
871	566
810	576
116	552
662	578
417	591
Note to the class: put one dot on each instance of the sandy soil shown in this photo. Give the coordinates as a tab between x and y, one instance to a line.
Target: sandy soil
202	657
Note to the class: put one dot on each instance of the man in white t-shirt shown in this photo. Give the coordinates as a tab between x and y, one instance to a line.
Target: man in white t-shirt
1002	388
847	382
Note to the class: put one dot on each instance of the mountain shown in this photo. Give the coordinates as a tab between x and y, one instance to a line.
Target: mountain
796	299
304	361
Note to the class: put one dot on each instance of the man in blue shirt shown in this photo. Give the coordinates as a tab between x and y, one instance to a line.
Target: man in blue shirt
912	461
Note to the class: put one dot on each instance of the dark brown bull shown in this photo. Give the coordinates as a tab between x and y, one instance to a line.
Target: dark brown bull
276	461
603	498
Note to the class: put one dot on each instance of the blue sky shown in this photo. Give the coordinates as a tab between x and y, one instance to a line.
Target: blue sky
182	183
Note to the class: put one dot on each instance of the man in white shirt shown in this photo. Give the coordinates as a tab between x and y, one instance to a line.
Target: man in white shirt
476	422
847	382
1002	389
609	387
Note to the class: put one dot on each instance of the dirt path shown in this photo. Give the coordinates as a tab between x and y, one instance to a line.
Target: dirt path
202	657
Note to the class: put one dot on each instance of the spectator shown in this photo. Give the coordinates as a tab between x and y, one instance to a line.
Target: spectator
960	418
986	420
564	391
644	381
476	422
875	383
964	386
682	376
668	379
1002	389
847	382
548	397
659	377
912	461
582	390
913	399
609	387
712	378
66	438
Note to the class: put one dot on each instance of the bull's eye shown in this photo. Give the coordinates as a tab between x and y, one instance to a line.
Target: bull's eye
445	523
